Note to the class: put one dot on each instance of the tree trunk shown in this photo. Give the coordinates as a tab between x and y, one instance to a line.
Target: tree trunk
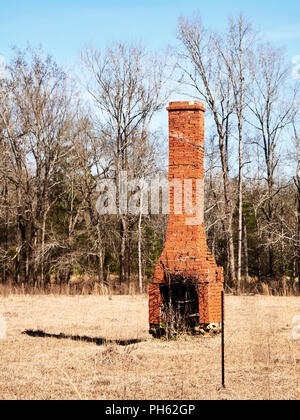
245	246
228	213
123	237
240	223
298	244
43	250
239	99
140	252
270	217
100	256
127	265
5	231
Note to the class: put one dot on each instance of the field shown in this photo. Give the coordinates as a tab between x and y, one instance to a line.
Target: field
117	359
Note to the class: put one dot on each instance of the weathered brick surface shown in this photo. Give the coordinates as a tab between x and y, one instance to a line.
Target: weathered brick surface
186	252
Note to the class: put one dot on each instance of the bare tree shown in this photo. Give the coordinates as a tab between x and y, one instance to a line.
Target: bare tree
35	121
205	73
127	86
234	51
272	114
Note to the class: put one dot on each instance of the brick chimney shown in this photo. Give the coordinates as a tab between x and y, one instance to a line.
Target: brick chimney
187	285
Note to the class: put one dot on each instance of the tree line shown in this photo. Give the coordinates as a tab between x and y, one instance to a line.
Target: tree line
60	137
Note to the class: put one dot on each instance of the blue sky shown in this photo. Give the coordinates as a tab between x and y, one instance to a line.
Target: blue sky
64	27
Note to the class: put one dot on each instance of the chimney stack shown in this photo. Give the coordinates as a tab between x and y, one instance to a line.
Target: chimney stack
187	285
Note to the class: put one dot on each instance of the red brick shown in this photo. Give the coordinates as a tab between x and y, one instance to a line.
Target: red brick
186	251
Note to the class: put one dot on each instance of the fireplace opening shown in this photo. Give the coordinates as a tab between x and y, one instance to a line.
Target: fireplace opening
180	308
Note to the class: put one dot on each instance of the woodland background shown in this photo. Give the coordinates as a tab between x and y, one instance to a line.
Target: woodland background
60	135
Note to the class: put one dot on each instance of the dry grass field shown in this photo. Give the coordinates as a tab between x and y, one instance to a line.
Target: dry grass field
261	357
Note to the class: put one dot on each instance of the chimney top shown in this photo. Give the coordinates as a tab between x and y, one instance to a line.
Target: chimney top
186	106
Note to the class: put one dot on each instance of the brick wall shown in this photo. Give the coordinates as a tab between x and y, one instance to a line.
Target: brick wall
186	254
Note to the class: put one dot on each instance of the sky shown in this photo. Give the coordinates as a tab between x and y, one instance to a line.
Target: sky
64	27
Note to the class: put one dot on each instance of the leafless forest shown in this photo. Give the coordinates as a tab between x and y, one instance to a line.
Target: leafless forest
60	136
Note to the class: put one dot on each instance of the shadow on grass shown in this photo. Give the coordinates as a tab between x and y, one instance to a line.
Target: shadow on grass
85	339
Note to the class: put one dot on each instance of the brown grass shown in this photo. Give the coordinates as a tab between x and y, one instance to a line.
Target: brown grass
259	361
83	286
